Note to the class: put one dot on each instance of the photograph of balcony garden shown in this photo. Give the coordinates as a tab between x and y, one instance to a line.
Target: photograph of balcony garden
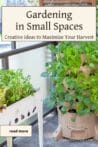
52	86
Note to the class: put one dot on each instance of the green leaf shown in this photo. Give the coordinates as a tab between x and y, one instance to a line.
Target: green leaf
63	109
45	74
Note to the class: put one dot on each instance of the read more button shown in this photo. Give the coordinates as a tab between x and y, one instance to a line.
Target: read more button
16	131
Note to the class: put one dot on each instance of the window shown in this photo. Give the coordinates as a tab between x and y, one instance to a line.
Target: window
21	2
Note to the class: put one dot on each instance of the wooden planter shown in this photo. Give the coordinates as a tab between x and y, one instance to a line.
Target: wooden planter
46	2
76	127
19	111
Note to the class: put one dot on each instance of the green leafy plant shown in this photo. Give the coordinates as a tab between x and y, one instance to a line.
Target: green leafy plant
14	86
74	74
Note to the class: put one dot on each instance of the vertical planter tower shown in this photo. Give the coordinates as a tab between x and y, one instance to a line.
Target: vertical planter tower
74	74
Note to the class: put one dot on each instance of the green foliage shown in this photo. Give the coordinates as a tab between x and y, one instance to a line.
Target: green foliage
2	96
14	86
74	73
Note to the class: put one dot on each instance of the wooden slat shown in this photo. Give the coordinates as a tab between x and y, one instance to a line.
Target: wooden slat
41	2
45	2
93	2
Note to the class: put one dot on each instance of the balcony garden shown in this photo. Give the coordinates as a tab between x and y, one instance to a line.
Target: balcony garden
65	77
73	81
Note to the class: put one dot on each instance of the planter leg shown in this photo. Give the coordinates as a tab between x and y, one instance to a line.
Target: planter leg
40	123
9	142
58	133
96	131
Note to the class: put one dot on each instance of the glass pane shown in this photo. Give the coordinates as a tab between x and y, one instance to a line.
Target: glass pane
5	46
15	2
21	2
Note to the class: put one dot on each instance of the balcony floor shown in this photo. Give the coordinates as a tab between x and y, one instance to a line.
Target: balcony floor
50	124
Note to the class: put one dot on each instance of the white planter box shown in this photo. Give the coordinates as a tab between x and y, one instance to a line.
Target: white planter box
20	111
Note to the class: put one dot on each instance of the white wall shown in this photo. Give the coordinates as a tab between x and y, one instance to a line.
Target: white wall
0	64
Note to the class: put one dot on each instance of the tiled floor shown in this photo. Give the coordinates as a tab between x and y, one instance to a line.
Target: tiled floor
50	124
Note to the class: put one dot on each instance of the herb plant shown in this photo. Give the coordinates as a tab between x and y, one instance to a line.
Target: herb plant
74	74
14	86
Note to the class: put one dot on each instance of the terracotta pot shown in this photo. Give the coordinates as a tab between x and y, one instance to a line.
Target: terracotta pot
77	127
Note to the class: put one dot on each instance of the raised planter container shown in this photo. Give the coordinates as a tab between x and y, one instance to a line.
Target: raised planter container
19	111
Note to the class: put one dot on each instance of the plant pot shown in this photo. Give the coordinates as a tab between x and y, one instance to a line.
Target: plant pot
19	111
77	127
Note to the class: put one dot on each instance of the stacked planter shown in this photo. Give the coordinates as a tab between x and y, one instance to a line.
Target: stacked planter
74	73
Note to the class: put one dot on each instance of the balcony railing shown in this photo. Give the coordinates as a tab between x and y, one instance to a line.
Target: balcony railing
5	55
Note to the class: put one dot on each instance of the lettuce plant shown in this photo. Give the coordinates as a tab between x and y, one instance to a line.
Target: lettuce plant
74	74
14	86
